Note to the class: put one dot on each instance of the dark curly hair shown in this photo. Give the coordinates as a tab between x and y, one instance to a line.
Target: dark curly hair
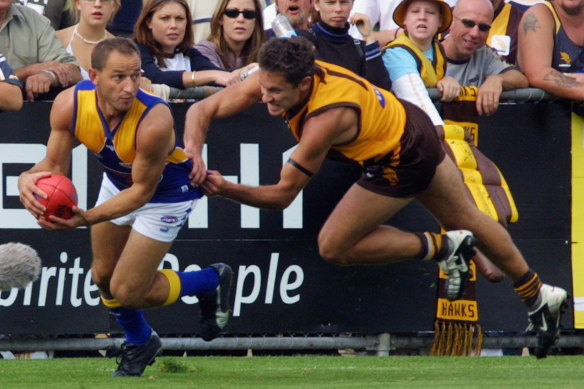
292	57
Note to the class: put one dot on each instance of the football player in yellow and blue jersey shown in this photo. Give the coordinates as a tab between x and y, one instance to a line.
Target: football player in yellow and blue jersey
144	199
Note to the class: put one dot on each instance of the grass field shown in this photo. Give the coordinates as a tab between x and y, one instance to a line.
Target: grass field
302	372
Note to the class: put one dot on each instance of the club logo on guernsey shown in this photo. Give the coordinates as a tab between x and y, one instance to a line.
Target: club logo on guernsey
380	97
169	219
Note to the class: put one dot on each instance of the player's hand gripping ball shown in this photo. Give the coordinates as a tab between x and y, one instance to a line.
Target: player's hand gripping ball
61	193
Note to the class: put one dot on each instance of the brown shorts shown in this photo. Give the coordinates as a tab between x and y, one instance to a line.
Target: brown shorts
409	172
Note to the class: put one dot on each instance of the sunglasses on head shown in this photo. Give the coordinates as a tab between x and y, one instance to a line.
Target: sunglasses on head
232	13
471	23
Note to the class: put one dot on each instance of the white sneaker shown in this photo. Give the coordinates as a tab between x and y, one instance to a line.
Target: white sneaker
545	320
455	263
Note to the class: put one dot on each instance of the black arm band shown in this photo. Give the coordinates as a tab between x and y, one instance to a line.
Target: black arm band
300	167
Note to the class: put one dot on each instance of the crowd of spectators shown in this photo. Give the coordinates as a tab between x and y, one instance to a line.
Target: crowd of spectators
45	45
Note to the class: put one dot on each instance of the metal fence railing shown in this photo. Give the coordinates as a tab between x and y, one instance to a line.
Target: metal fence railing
380	345
524	95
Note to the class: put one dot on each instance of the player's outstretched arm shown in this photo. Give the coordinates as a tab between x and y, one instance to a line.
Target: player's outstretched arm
337	125
276	197
227	102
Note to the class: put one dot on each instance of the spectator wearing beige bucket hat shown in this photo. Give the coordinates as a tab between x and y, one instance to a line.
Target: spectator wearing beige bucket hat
399	14
415	59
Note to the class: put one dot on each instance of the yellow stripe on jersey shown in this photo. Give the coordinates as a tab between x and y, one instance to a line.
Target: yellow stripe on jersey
125	135
555	15
177	156
501	23
88	127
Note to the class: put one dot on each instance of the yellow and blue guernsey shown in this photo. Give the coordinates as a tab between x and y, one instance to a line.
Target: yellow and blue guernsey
116	148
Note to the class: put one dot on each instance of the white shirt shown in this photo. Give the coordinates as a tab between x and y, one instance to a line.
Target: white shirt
178	62
269	14
379	11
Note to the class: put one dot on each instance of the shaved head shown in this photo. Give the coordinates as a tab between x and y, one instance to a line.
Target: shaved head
482	7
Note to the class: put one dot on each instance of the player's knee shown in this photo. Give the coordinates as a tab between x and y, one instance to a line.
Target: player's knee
127	296
332	253
100	279
329	250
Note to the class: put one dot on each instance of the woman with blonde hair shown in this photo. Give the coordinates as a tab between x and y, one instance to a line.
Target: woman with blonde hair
93	17
236	36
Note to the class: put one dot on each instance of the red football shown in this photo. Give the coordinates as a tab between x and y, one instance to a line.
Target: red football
61	193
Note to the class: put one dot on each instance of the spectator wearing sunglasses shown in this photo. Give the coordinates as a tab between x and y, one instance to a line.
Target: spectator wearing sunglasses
202	13
471	62
236	34
165	39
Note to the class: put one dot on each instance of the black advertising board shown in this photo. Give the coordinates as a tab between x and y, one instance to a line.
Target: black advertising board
282	285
